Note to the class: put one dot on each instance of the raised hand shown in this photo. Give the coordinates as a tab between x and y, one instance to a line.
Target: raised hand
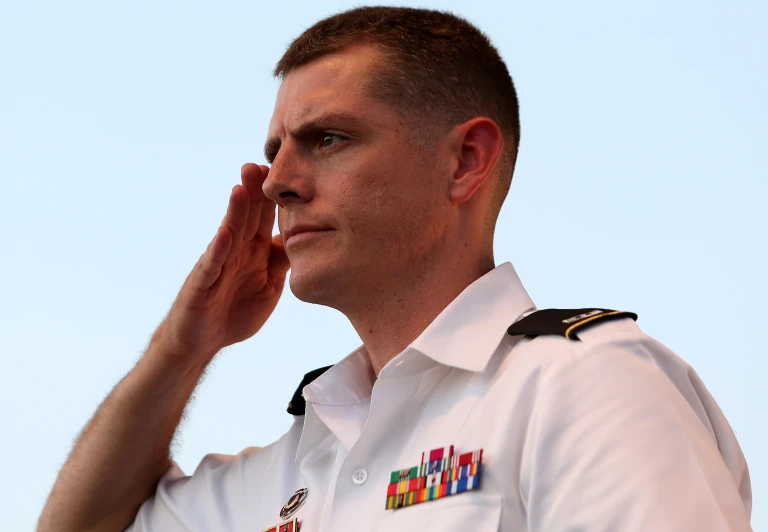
236	284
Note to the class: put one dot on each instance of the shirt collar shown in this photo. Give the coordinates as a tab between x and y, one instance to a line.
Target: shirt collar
348	382
464	335
468	331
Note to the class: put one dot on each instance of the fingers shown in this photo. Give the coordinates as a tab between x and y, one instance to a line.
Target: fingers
278	260
249	213
236	219
266	220
253	177
210	264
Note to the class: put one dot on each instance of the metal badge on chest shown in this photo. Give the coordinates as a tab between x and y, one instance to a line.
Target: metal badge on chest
286	512
294	503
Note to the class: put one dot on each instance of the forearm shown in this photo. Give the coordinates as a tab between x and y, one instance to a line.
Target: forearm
124	449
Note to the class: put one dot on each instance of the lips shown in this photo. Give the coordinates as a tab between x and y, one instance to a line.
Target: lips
298	229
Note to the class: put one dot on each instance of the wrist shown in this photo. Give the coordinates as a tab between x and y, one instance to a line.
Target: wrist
166	353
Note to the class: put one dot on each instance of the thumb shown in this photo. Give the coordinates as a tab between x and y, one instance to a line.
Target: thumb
278	259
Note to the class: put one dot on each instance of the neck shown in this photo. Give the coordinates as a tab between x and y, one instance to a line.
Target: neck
411	300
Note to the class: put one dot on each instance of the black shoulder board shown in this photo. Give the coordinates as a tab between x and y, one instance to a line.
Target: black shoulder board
297	404
564	322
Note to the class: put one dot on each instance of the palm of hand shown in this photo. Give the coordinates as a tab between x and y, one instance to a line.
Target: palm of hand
237	282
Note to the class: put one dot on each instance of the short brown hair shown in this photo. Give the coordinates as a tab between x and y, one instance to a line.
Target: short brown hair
440	71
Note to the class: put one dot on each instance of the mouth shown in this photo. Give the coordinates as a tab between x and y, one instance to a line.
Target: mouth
299	235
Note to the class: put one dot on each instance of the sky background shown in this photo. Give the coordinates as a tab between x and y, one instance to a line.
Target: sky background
641	185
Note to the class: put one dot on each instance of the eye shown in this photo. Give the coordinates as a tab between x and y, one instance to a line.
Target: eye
327	139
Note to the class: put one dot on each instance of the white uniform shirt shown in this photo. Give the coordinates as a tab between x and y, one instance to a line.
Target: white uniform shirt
610	433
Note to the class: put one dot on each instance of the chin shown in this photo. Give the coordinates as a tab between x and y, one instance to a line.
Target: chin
315	282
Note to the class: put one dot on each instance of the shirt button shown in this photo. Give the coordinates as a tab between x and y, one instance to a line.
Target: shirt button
360	476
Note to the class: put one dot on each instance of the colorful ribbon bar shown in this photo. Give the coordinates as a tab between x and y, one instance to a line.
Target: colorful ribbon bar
440	474
288	526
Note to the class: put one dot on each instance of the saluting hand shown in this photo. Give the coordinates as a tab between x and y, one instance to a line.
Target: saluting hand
236	284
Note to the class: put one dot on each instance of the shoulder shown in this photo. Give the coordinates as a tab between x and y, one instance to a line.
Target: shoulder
563	341
598	356
568	323
611	406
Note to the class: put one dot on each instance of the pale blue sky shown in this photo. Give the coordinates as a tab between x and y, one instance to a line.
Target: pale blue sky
640	185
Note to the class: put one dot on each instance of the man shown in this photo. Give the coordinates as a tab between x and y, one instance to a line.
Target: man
392	146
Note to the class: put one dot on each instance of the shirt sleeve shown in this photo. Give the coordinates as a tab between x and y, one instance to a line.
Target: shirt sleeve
613	445
184	503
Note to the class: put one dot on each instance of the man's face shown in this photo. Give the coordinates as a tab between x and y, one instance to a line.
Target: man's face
343	161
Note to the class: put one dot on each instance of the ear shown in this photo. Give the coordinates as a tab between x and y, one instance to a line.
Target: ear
477	145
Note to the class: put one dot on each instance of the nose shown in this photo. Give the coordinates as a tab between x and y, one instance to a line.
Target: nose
288	182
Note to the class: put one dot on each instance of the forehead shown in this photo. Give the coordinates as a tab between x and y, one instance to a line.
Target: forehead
335	83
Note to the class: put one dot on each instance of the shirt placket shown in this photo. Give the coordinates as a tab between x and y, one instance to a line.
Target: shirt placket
359	495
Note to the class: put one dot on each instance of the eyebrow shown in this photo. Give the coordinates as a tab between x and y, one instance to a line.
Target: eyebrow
311	127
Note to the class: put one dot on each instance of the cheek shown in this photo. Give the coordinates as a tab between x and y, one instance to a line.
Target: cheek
369	210
387	200
393	214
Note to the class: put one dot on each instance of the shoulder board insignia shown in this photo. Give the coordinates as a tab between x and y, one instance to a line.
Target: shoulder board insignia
564	322
297	406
